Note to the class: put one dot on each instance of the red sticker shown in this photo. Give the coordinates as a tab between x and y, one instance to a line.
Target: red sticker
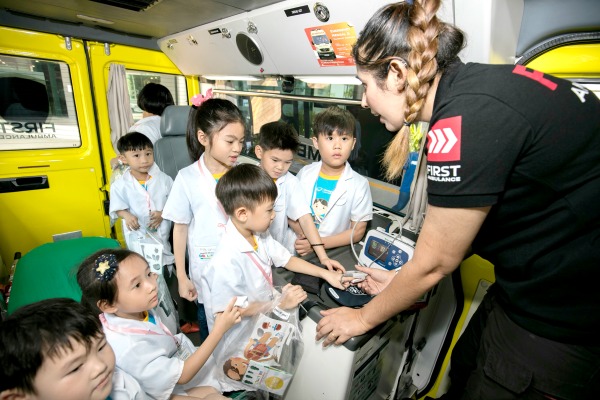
443	140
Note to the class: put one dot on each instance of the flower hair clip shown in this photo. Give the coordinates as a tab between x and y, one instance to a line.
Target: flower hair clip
105	267
198	99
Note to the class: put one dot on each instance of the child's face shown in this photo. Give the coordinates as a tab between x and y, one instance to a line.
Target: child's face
139	161
224	148
335	149
137	289
261	217
76	374
276	162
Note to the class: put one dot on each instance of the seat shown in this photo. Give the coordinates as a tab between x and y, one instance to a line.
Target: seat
170	151
50	270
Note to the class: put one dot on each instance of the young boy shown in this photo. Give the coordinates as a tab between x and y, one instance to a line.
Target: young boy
138	198
55	349
242	262
277	144
339	198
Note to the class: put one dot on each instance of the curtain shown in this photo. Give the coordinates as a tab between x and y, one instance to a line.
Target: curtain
119	109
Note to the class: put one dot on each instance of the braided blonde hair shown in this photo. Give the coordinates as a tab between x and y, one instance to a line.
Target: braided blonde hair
411	32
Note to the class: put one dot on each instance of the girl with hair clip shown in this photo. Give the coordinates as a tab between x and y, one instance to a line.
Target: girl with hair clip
514	176
119	284
215	138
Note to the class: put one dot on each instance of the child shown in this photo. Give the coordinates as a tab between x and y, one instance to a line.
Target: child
215	138
152	99
55	349
242	263
340	199
138	198
277	143
119	283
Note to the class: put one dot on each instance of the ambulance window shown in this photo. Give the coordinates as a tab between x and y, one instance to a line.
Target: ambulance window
264	101
37	109
136	80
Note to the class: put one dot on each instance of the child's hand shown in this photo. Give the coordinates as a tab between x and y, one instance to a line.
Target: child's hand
228	318
131	221
336	279
155	219
292	296
303	246
333	265
187	289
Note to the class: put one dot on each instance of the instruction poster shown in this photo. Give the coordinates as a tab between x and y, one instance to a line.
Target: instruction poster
332	44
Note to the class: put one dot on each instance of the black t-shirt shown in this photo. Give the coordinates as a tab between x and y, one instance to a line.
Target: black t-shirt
528	145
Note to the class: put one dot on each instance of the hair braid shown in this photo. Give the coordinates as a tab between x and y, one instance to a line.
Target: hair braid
422	36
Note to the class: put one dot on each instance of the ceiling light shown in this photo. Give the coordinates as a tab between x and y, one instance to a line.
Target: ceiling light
331	80
95	19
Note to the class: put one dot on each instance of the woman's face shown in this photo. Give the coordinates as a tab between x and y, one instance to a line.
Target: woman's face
385	102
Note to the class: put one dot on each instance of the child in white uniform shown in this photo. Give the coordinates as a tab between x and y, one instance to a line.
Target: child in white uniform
242	263
277	143
138	198
215	138
119	283
38	345
340	199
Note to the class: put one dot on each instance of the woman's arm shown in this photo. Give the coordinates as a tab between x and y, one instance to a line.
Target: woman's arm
443	242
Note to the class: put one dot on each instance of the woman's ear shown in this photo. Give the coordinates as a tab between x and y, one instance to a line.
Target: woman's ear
397	75
105	307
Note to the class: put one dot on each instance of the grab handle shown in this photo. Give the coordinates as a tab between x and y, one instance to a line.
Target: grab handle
25	183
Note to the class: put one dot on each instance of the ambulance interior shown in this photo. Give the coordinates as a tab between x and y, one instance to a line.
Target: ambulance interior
262	55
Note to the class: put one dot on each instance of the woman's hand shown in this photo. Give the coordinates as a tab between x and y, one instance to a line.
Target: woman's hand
376	280
228	318
340	324
292	296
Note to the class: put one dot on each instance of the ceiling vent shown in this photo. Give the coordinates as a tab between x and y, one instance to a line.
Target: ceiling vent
133	5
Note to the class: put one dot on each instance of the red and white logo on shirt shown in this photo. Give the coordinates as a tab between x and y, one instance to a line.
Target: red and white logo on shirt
444	140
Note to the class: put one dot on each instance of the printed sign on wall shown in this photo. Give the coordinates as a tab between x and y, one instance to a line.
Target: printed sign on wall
332	43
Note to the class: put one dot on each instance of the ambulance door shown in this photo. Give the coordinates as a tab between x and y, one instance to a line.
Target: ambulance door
50	167
142	66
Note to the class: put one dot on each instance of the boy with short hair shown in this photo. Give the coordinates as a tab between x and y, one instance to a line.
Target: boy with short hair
242	263
339	198
277	144
139	198
55	349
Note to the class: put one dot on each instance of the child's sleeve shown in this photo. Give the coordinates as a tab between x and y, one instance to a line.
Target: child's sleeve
362	202
178	207
156	373
278	253
296	201
118	198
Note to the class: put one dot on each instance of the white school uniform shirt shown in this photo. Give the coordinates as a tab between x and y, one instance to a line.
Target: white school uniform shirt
148	352
149	126
127	194
238	270
350	201
125	387
290	203
193	202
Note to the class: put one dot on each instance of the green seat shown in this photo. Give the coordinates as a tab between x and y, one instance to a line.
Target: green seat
50	270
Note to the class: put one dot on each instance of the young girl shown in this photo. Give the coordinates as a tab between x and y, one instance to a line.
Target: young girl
118	283
215	138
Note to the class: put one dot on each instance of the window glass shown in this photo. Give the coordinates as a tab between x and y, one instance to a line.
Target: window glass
136	80
37	109
371	135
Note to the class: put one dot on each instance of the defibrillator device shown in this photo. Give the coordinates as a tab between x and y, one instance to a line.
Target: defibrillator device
385	250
